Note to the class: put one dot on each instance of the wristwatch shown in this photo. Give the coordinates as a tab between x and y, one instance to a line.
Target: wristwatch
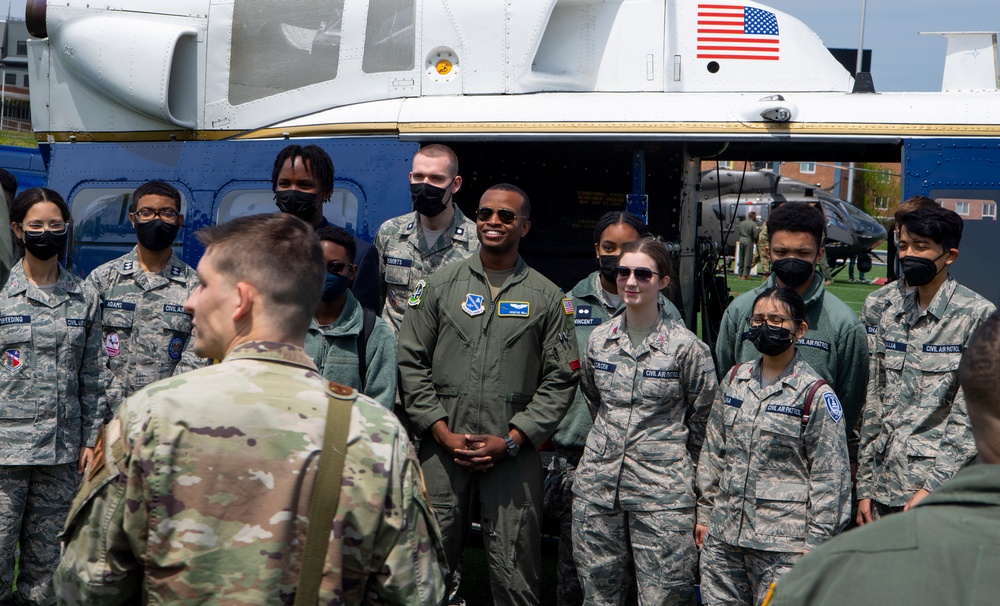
512	446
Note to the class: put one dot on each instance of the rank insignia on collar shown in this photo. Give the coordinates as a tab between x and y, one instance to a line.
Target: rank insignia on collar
418	292
568	306
175	271
128	266
12	360
459	231
473	304
409	225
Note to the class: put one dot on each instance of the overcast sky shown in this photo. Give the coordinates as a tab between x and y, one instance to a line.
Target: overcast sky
902	59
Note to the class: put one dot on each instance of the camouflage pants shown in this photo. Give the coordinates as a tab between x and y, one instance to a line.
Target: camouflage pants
34	501
661	544
733	575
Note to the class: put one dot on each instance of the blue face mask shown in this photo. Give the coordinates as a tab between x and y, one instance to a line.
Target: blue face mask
334	286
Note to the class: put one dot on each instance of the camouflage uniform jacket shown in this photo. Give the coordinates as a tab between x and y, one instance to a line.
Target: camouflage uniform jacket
147	333
768	482
488	365
651	404
202	495
923	436
51	375
334	349
591	308
405	260
835	345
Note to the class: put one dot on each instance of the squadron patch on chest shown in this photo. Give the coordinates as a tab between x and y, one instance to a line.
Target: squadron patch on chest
12	360
473	304
112	345
175	348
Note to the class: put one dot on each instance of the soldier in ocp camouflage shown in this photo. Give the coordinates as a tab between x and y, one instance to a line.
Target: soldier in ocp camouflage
769	483
634	486
224	517
49	390
765	259
147	333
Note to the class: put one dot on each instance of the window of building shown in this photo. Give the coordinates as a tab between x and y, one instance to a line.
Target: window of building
25	80
962	208
22	47
989	210
882	203
10	79
807	168
726	164
882	177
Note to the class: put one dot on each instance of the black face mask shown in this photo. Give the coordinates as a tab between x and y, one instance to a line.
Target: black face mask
45	245
608	264
770	340
156	235
428	200
296	203
792	272
918	270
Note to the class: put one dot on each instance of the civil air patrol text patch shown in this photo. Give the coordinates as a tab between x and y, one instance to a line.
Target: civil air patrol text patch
813	343
792	411
930	348
76	322
656	373
174	309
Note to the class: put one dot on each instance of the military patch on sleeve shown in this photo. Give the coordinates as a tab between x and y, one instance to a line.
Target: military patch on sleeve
417	293
833	406
575	364
568	306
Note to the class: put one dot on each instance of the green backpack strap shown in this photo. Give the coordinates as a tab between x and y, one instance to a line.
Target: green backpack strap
326	493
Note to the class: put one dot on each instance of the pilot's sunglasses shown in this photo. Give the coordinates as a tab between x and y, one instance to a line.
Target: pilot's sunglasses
485	213
642	274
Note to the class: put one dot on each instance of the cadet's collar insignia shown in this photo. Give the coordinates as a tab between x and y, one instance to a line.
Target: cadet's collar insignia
418	292
128	265
459	231
473	304
175	271
520	309
14	283
112	345
12	360
833	406
568	306
175	348
409	225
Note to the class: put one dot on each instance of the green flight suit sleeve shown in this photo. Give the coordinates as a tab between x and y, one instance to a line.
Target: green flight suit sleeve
587	384
725	348
825	442
711	460
415	351
380	376
560	367
851	384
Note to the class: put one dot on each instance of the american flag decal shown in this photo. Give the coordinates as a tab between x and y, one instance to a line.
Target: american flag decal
737	32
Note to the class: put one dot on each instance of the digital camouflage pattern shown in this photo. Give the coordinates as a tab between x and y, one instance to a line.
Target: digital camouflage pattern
733	575
651	403
147	333
334	350
922	438
202	495
768	482
34	501
50	377
404	259
486	366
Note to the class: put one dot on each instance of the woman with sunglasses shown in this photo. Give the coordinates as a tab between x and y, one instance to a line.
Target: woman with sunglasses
774	475
650	382
50	348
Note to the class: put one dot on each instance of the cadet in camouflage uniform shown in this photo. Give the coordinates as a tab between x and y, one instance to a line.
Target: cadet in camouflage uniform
595	300
203	490
436	234
147	333
489	366
774	473
651	387
334	335
50	349
921	438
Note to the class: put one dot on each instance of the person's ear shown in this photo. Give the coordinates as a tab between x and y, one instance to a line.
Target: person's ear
245	294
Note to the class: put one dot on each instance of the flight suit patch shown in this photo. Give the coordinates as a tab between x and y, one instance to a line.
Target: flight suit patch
520	309
568	306
418	292
473	304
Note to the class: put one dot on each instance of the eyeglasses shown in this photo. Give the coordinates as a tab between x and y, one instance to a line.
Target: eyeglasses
642	274
37	228
146	215
485	213
335	267
771	319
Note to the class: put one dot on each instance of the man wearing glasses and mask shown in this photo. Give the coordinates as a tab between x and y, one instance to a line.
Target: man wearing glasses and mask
147	333
413	246
488	364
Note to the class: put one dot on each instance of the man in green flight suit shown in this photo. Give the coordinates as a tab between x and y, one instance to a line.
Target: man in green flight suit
489	366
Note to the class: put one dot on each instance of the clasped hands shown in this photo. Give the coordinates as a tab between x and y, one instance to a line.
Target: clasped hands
475	452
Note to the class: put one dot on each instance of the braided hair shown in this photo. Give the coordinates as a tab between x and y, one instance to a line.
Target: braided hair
318	162
619	218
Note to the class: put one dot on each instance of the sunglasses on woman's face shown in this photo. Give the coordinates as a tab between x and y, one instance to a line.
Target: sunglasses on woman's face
485	213
642	274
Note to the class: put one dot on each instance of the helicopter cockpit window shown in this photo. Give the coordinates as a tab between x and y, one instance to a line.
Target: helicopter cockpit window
389	37
282	46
